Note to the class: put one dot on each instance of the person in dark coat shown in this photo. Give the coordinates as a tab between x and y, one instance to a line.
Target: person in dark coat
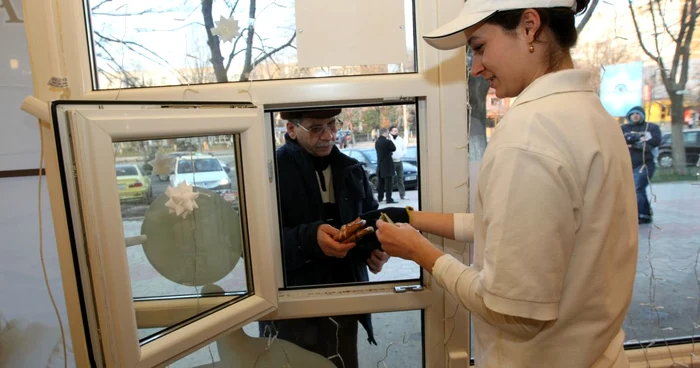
320	189
642	138
385	166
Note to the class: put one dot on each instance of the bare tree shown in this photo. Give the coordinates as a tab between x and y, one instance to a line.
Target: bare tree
248	36
110	48
673	72
597	54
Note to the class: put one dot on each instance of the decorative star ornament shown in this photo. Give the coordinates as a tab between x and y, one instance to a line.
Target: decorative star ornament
182	199
226	28
161	164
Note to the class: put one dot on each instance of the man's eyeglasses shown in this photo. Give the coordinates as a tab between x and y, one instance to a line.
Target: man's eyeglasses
318	130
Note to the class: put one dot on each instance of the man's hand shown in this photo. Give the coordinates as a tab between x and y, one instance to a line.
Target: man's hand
377	260
330	247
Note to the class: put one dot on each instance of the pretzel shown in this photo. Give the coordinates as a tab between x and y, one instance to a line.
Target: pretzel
348	230
359	234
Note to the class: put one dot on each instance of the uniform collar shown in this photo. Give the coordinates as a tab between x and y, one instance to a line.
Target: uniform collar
570	80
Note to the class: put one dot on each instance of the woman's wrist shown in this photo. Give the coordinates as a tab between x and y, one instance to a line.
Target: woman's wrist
426	254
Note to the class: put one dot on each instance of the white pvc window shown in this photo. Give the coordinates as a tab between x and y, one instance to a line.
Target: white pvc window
194	252
438	86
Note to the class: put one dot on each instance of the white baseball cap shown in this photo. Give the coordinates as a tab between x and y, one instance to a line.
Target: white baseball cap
451	35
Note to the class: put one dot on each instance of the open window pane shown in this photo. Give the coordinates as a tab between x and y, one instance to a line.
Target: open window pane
160	225
347	156
173	257
230	41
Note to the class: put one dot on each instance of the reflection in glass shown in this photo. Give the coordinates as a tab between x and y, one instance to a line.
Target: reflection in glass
398	336
399	344
221	41
181	219
350	171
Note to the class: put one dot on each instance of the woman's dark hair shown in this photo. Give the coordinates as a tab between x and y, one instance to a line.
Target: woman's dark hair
559	20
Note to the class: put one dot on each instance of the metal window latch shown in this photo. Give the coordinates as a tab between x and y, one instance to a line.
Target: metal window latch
403	289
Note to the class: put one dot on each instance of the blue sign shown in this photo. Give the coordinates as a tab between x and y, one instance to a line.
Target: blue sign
621	87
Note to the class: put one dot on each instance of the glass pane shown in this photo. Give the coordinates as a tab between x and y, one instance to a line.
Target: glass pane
398	346
131	43
352	188
176	251
664	304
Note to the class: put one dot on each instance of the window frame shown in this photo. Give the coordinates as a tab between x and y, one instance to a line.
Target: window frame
93	129
52	29
439	84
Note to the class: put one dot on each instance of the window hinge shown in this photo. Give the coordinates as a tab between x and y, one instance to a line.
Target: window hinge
270	171
403	289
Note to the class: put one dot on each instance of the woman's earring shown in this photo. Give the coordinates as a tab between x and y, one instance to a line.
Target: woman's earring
532	49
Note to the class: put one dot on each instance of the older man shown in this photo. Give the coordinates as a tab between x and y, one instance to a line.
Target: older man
320	189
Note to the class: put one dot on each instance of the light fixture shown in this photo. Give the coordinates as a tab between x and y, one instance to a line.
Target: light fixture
14	63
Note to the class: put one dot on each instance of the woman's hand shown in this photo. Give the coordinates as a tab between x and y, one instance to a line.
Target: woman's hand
399	240
402	240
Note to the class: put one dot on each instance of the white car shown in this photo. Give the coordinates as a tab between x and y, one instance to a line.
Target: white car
202	171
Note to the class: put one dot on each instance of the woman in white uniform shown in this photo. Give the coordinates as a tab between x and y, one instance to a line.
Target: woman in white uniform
555	221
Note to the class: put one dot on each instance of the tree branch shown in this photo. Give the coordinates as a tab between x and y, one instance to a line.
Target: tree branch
656	58
167	30
217	60
128	78
663	22
131	44
274	51
678	52
656	32
691	24
586	17
146	11
233	50
99	5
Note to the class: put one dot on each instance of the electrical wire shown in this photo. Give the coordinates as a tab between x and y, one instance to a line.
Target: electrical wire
41	249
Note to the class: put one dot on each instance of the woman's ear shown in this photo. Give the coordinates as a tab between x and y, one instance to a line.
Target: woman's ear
530	24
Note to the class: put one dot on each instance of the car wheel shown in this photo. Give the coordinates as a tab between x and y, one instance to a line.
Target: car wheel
163	177
149	196
666	160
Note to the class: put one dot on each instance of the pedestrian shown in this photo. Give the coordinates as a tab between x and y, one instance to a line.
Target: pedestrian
554	220
385	166
320	189
643	139
397	158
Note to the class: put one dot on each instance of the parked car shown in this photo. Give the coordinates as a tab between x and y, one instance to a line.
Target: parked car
174	156
411	155
200	171
691	139
343	138
133	184
368	156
